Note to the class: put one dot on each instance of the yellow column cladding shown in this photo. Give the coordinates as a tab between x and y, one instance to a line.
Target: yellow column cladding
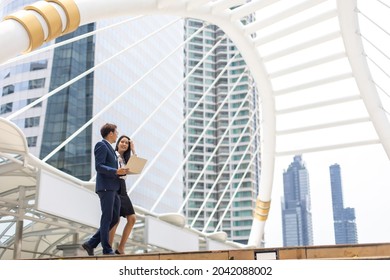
262	210
32	25
51	16
72	14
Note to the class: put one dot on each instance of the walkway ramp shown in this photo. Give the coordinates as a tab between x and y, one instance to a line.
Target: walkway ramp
374	251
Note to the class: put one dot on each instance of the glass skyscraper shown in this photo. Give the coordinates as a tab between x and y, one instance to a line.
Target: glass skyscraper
70	108
296	205
214	150
141	88
345	231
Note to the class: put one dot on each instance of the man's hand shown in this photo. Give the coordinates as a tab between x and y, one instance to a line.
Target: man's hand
122	171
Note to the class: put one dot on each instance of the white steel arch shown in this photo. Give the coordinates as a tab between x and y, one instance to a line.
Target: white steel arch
49	19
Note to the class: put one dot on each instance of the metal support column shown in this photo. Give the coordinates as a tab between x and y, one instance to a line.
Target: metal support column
19	225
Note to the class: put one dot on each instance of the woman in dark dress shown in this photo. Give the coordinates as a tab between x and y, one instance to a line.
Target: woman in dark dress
124	147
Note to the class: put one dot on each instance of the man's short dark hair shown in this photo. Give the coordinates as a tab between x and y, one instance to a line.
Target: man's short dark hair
106	129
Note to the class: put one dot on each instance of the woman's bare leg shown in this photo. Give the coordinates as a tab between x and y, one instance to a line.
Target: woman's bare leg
126	232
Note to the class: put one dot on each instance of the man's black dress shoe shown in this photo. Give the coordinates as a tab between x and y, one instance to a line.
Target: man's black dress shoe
118	253
109	253
88	248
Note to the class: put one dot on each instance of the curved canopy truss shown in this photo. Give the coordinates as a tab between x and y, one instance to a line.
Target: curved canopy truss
307	48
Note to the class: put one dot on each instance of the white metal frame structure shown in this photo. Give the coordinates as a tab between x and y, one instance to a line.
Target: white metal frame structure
279	68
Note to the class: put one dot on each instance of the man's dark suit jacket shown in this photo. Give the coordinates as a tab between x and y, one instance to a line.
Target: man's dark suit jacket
106	164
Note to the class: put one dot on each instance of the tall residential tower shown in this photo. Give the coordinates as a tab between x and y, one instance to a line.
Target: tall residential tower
221	135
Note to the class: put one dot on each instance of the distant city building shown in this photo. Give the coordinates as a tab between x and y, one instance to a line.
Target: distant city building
345	231
296	205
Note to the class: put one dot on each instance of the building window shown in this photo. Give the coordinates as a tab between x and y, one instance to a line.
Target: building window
31	100
6	108
37	83
8	89
38	65
32	141
31	122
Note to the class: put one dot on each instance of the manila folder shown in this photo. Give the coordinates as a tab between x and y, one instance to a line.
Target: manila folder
135	165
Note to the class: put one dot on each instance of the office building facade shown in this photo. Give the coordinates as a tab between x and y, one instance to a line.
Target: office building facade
223	117
22	82
344	219
296	205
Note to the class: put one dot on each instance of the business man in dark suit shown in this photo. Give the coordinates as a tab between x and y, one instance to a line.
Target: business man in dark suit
107	188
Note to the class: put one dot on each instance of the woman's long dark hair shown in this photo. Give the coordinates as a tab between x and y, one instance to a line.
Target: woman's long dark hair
126	154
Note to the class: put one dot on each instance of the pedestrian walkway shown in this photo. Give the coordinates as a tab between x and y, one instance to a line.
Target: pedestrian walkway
374	251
